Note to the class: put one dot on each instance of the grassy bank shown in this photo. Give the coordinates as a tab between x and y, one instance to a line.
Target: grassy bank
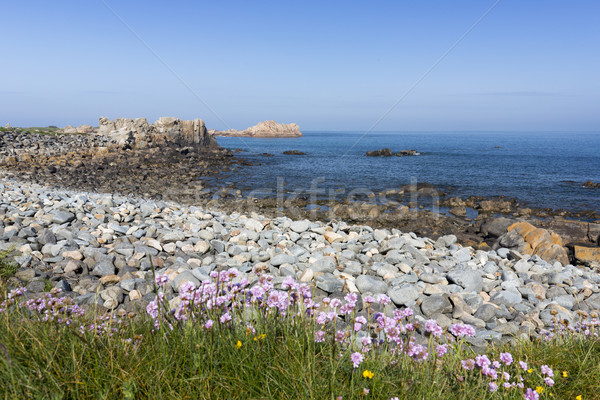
230	340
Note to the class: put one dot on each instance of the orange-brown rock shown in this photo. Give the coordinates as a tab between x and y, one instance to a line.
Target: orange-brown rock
537	237
541	242
553	252
522	228
587	255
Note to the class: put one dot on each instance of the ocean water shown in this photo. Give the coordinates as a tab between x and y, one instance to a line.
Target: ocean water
538	169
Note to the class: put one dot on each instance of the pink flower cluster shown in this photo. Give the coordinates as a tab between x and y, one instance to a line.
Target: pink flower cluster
503	373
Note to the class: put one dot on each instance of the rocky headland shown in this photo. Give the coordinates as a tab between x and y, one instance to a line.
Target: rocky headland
126	156
266	129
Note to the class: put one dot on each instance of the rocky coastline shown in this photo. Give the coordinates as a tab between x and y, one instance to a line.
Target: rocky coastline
505	272
126	159
99	249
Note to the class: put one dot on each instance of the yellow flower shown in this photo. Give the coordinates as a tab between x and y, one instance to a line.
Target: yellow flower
539	389
238	344
578	397
529	370
261	336
368	374
565	374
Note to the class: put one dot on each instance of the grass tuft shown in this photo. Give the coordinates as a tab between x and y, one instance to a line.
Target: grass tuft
8	267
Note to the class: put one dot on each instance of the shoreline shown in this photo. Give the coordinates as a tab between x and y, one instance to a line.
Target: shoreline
97	249
195	175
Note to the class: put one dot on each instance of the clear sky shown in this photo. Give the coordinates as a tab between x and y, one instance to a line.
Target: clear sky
326	65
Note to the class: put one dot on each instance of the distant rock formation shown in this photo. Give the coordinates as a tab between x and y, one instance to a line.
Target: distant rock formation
139	133
69	129
263	129
388	153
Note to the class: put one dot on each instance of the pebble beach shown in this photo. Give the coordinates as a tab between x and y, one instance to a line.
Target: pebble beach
99	249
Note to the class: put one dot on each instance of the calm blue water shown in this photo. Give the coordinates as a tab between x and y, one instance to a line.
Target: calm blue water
535	168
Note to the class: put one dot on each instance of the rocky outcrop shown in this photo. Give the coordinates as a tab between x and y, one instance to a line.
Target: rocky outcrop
85	129
591	185
527	239
70	129
380	153
138	133
388	153
587	255
263	129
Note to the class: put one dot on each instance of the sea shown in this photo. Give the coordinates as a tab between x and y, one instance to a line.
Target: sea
539	169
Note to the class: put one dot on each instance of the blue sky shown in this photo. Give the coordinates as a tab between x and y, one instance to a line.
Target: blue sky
335	65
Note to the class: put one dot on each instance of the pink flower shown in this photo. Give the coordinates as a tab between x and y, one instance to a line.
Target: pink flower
549	381
441	350
319	336
346	308
506	358
288	282
383	299
356	359
208	324
468	364
351	298
432	327
531	394
225	318
546	370
493	386
161	279
487	371
482	361
321	318
369	299
460	330
152	309
523	365
335	303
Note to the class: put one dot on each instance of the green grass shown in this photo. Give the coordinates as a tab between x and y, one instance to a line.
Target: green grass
50	359
7	266
42	130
